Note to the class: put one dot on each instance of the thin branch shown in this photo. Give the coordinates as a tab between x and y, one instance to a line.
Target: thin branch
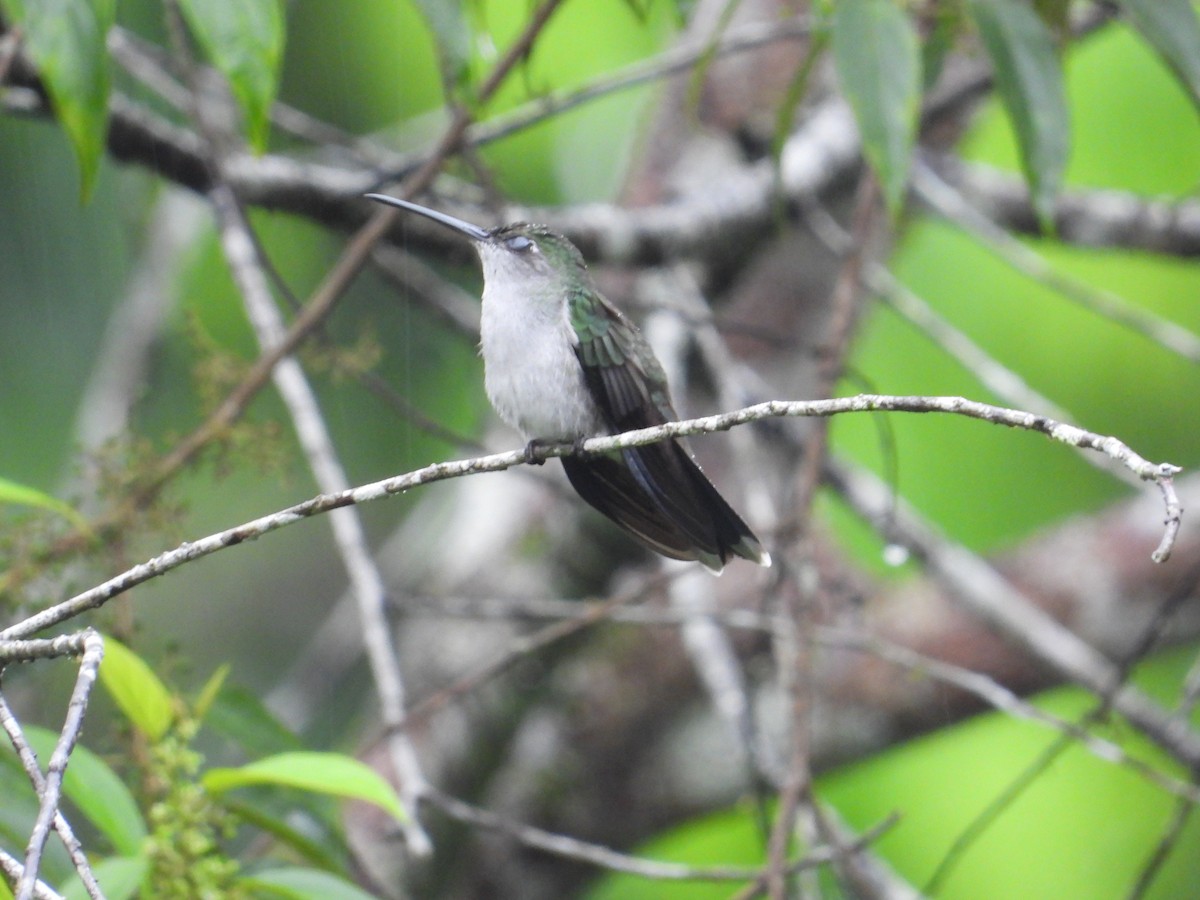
53	648
953	206
326	193
707	646
16	736
521	647
1002	381
349	535
867	875
987	594
97	596
614	861
248	270
51	791
1148	637
1168	841
795	612
13	870
985	688
1006	701
750	36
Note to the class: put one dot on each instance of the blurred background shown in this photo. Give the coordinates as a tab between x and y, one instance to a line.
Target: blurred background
722	201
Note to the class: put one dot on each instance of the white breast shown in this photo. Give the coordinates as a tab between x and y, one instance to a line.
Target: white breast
531	373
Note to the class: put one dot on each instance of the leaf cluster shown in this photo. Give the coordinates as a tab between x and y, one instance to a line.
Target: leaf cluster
186	832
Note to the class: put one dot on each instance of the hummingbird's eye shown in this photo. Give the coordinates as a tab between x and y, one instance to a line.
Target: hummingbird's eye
518	243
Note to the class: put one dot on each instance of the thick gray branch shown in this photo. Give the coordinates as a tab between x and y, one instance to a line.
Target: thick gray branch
1093	218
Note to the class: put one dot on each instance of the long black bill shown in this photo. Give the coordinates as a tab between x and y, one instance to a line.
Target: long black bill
474	232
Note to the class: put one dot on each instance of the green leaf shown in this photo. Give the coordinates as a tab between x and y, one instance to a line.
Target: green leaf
314	845
66	40
451	34
1030	83
304	884
11	492
878	60
326	773
98	793
208	693
244	40
1172	29
139	693
119	876
20	805
940	37
240	716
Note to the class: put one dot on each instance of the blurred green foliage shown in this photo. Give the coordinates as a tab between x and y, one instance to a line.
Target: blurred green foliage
63	268
1134	129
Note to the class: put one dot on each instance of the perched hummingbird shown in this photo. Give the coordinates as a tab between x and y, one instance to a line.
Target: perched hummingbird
562	364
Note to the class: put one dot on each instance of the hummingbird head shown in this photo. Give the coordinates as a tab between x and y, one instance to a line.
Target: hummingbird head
513	254
522	253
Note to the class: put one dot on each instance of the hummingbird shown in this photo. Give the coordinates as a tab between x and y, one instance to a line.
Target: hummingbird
562	364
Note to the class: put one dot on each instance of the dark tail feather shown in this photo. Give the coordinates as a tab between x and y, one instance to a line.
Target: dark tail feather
659	495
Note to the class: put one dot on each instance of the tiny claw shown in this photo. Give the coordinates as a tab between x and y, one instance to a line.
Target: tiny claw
534	453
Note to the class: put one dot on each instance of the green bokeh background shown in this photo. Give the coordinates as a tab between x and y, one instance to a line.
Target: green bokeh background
62	269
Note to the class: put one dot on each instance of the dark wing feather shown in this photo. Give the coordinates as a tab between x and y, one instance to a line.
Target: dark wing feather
656	492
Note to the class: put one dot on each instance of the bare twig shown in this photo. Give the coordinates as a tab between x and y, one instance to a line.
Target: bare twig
249	274
13	870
677	59
349	536
520	648
985	688
55	770
1172	832
795	614
1004	700
980	588
8	721
1149	636
315	310
54	648
949	203
603	857
707	646
165	562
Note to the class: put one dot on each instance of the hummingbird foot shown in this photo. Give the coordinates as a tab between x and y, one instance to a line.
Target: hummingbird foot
536	451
